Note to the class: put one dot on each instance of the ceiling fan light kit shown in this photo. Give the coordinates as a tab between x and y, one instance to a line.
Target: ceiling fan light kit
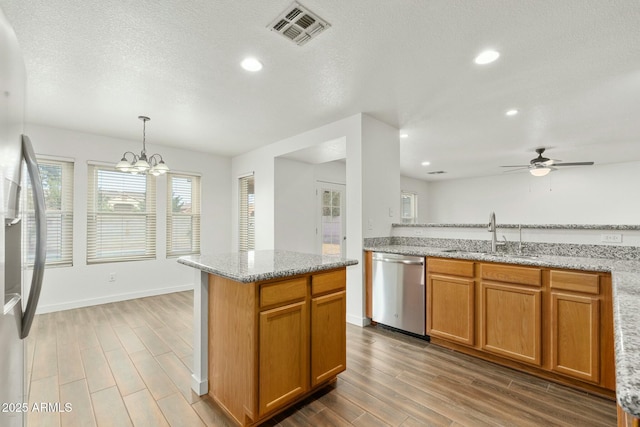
541	166
539	170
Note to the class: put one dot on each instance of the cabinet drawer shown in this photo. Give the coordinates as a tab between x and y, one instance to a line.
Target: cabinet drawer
332	281
283	292
449	266
512	274
577	282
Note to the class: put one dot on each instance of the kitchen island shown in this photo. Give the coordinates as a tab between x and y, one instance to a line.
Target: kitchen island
270	328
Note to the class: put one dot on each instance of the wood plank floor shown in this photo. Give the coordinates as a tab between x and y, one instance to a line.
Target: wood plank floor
128	364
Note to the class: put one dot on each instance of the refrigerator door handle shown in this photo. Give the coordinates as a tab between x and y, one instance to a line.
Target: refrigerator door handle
41	235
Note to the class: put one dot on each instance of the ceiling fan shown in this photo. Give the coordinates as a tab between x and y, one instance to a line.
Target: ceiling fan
540	166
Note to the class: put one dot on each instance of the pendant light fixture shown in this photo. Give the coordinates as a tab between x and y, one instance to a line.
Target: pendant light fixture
154	164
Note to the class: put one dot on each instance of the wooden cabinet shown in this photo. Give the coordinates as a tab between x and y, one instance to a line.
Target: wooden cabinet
451	300
284	355
328	326
273	343
511	321
511	312
328	337
575	324
625	419
555	323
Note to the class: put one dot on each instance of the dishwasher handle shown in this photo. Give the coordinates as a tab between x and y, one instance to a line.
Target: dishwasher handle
399	261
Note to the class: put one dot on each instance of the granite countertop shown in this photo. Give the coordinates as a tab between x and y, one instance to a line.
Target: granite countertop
626	304
528	226
254	266
536	260
626	320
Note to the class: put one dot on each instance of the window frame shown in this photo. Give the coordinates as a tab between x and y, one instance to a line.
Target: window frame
246	213
414	204
93	216
65	213
195	215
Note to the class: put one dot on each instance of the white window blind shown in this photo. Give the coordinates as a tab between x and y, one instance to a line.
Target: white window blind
121	216
57	184
246	226
183	214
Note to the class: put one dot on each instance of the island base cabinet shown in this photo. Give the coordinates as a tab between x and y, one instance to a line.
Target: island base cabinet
284	355
511	322
275	342
328	337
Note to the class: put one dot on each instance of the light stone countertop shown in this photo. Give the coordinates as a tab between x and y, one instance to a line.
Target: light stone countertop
525	226
626	320
254	266
576	263
625	276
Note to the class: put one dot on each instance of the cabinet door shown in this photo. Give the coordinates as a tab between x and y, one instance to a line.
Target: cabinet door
450	308
328	336
511	321
575	332
284	355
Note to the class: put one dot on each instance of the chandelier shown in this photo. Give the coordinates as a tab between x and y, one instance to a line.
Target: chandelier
154	164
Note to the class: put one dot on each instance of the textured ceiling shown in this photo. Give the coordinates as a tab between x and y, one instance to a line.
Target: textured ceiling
572	68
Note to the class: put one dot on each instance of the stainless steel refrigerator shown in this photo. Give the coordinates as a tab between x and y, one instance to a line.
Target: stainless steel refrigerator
16	152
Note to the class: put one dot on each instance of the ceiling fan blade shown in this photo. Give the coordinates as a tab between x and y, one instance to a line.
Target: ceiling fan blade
516	170
515	166
574	164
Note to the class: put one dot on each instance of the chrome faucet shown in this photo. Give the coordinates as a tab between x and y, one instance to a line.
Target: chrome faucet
520	241
492	230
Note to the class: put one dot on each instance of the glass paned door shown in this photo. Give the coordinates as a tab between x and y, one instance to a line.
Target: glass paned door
331	231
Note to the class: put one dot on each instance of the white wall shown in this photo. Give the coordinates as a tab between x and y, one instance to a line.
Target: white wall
296	201
262	162
600	194
82	284
380	177
421	189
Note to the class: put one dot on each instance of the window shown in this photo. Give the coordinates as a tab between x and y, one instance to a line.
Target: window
246	238
57	184
183	214
409	207
121	216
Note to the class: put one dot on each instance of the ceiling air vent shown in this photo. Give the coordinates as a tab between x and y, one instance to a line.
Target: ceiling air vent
298	24
436	173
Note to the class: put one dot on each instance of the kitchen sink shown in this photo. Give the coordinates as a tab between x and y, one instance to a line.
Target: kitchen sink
496	254
515	256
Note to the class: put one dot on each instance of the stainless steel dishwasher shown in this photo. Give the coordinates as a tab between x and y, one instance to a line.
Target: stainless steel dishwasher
398	298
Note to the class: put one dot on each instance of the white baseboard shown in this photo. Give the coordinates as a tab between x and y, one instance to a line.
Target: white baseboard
111	298
357	320
201	387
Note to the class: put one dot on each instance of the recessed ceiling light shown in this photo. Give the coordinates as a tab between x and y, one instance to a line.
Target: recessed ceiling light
404	135
487	57
251	64
426	163
512	112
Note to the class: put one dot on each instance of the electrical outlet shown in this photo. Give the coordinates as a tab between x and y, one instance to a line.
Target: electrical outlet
112	277
611	238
